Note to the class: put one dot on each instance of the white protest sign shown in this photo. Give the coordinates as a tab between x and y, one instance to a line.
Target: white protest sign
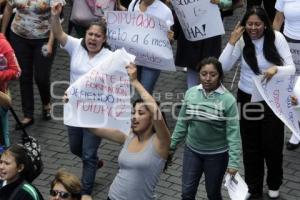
198	19
295	51
101	97
236	186
142	35
277	94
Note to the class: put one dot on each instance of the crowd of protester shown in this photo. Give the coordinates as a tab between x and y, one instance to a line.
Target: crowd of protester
216	136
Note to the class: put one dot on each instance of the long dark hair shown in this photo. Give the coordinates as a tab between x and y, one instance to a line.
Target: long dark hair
102	24
270	52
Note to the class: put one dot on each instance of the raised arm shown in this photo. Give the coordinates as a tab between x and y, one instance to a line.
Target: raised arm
110	134
57	30
162	131
6	17
228	56
278	21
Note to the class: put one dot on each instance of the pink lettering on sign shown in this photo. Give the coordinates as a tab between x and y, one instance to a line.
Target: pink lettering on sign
131	18
276	94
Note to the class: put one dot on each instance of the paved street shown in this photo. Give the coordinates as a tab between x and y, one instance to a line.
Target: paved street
170	88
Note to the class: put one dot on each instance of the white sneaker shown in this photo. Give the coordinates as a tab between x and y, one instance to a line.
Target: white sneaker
273	194
248	196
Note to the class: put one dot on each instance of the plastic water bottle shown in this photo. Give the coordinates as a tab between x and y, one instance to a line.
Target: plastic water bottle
3	62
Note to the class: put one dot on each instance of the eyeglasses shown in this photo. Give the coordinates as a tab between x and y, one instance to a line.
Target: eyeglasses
63	195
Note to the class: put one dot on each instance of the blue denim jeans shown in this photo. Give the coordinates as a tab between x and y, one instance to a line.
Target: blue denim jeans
194	165
148	77
85	145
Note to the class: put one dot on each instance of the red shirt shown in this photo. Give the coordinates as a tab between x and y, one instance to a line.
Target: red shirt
12	71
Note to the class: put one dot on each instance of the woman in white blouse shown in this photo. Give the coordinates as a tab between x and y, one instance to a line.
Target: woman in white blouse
263	51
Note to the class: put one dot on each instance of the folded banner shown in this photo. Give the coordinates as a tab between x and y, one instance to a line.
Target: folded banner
101	97
198	19
142	35
277	94
236	186
295	51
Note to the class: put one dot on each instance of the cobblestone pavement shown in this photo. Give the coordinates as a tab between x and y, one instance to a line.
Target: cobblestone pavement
170	88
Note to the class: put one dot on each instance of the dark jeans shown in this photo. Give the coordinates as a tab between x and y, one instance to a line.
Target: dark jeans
269	6
213	166
32	63
85	145
262	141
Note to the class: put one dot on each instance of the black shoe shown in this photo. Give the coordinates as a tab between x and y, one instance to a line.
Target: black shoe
24	125
100	164
291	146
46	114
255	196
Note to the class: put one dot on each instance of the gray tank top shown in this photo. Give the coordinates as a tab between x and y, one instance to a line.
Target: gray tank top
138	174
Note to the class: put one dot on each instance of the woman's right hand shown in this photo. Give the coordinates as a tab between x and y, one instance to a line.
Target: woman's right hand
65	98
294	101
132	72
56	9
236	33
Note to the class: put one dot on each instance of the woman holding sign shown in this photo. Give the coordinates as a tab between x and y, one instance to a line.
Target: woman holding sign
288	12
263	51
85	54
148	76
190	53
145	151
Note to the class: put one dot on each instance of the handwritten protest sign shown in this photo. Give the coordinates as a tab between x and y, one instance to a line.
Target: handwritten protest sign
295	51
277	94
198	19
142	35
101	97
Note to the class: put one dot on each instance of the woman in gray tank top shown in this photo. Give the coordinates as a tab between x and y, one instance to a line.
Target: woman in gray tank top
145	151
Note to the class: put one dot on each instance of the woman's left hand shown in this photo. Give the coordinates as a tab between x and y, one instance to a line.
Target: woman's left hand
294	101
132	72
231	171
49	49
170	35
215	1
269	73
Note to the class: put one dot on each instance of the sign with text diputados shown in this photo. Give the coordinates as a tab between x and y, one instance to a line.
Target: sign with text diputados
101	97
198	19
142	35
277	94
